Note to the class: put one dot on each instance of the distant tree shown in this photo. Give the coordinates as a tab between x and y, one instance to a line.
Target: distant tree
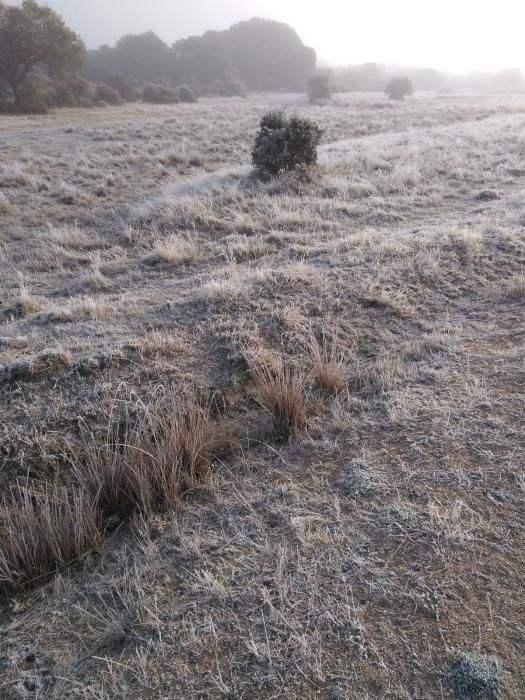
427	79
398	88
510	79
371	77
256	55
270	55
141	57
319	88
203	59
100	63
32	36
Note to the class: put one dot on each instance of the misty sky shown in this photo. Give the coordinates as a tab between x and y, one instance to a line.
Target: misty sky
456	35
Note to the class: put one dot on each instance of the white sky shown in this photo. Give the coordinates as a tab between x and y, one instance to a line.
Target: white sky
455	35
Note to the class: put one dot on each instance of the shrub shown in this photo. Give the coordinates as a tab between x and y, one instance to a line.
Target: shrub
105	93
475	676
186	94
68	92
285	143
124	88
32	98
61	96
398	88
159	94
78	86
5	97
319	88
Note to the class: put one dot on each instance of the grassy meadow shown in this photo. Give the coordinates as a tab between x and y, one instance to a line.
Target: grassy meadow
263	438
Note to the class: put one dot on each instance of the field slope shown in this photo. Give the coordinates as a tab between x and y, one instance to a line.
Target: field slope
353	343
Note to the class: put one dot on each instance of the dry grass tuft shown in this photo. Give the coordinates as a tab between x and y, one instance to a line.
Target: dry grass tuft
146	466
175	250
146	469
75	309
280	390
514	288
329	362
44	529
6	207
94	280
24	304
71	237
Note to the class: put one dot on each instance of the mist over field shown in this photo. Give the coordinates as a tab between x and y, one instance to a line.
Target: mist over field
262	302
453	36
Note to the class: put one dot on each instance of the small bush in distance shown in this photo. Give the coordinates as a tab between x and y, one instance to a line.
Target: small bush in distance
319	88
159	94
186	94
68	92
398	88
285	143
124	88
105	93
32	98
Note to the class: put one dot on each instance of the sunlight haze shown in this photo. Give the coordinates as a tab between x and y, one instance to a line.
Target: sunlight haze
454	35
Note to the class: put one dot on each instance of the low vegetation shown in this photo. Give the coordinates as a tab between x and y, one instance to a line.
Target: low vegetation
284	143
319	88
399	88
259	435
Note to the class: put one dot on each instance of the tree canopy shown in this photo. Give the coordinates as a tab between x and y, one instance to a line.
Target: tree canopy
263	54
34	36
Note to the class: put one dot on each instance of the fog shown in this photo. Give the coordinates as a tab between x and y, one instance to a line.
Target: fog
452	35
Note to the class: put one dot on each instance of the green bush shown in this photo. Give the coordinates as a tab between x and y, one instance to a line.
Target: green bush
285	143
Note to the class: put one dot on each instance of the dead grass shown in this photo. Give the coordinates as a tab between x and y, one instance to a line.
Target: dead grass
43	363
175	250
72	237
25	304
142	467
280	390
81	308
44	528
235	561
329	362
514	288
144	464
94	280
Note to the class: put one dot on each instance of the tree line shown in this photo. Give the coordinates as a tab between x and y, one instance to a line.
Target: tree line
45	64
257	54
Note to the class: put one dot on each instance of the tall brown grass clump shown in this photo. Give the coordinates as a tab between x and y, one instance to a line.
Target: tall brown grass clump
329	362
43	529
145	467
280	390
